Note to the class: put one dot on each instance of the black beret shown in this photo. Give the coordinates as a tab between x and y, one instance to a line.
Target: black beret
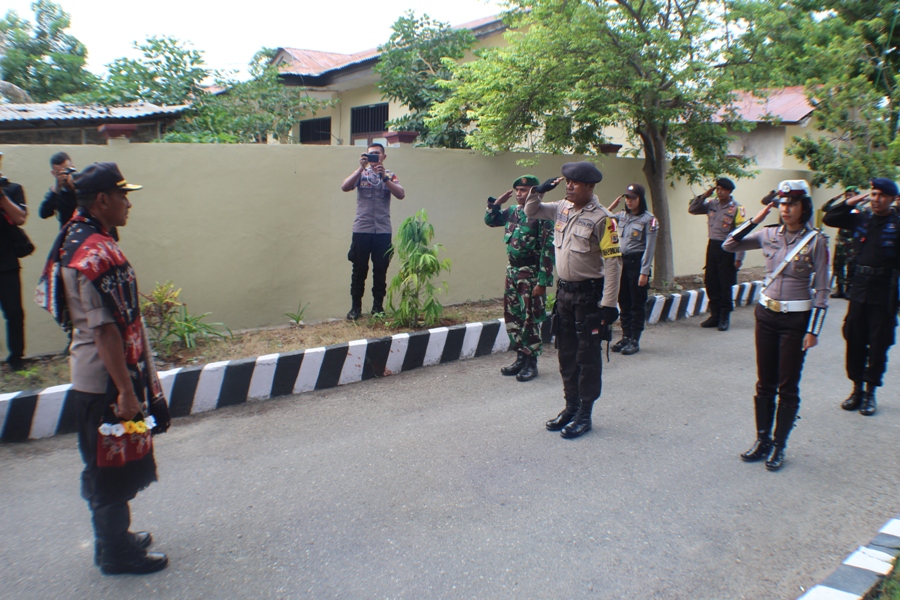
883	184
102	177
526	180
725	183
584	172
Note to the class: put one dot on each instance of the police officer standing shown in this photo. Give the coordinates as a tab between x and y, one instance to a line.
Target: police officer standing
529	246
723	216
872	313
589	266
638	229
790	314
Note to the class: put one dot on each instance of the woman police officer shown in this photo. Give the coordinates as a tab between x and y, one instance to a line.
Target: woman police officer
790	314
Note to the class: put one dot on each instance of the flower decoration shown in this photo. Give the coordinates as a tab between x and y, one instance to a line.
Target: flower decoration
127	427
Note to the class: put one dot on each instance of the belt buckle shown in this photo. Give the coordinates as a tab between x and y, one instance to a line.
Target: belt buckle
773	305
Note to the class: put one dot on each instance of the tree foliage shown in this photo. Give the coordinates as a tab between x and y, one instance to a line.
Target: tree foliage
847	55
168	73
413	65
575	70
40	57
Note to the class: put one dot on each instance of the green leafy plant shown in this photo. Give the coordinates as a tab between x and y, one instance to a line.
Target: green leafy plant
160	311
550	303
413	286
297	317
188	328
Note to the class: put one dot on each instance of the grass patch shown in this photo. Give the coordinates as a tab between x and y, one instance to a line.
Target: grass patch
889	588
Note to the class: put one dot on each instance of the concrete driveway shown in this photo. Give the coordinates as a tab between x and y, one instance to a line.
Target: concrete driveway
443	483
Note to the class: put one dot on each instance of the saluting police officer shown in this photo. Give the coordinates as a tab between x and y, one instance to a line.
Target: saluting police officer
529	246
589	265
790	313
723	216
638	229
872	314
842	264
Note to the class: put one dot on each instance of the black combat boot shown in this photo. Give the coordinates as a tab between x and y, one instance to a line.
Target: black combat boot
855	398
135	561
633	346
617	347
765	415
867	406
784	422
355	309
563	418
840	292
724	321
377	305
529	369
139	540
514	368
712	321
581	423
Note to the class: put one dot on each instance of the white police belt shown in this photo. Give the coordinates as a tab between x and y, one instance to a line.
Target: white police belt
785	306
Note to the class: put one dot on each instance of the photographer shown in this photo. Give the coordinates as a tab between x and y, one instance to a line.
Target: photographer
372	227
871	320
13	213
60	199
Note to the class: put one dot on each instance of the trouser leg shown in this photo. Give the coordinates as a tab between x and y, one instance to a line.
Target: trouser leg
881	332
360	250
856	334
11	305
711	280
626	300
382	252
727	279
767	359
567	345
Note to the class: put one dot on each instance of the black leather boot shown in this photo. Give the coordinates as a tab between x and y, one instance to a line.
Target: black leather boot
529	369
617	347
581	423
138	539
785	417
867	406
377	307
131	560
764	407
355	309
855	398
514	368
564	417
633	346
712	321
724	321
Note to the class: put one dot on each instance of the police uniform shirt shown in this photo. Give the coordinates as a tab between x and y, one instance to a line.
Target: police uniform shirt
721	219
373	203
637	233
87	311
807	274
586	240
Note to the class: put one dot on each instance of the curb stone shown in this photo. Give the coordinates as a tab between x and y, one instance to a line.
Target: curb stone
863	569
35	414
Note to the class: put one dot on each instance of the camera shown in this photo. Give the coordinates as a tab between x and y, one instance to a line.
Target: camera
373	158
70	171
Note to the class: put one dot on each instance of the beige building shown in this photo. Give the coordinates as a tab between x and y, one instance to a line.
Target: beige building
359	113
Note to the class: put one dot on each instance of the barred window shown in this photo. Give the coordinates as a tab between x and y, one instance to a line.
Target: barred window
368	119
316	131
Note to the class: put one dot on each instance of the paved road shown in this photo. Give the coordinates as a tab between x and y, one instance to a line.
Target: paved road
442	483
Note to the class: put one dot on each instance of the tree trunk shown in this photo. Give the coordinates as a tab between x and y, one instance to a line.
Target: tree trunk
655	168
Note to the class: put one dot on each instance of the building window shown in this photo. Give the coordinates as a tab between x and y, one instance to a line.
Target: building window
316	131
368	123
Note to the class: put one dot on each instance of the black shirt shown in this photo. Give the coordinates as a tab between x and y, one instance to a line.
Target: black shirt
8	259
61	203
873	249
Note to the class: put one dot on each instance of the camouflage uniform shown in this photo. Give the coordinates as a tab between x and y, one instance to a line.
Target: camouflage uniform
842	263
529	247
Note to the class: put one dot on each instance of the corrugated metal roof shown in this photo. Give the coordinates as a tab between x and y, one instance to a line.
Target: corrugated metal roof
61	111
790	105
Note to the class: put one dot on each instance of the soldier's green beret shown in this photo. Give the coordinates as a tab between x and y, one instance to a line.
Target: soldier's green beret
526	181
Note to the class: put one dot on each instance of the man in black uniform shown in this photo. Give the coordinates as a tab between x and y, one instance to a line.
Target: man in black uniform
60	199
12	214
872	314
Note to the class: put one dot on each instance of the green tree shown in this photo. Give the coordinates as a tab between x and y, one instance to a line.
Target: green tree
247	111
847	55
412	67
40	57
574	70
168	73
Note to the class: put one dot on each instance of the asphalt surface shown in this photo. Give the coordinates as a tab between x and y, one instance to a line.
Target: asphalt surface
443	483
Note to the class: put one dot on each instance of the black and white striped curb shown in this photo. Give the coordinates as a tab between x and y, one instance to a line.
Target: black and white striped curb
42	413
863	569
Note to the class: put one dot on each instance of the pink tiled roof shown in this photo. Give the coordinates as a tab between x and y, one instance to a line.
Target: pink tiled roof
790	105
315	62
